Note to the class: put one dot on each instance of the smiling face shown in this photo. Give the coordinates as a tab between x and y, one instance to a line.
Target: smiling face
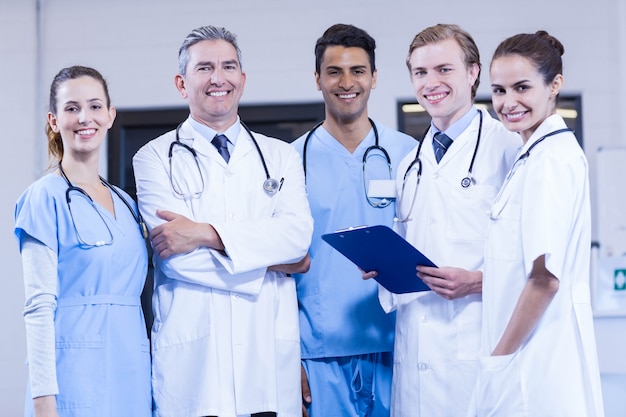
345	80
442	82
82	116
213	83
520	96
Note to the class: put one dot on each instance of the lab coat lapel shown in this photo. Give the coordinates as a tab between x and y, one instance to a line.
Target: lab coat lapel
190	137
467	138
243	146
427	153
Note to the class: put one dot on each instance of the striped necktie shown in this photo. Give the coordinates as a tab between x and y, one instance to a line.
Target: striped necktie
441	143
220	142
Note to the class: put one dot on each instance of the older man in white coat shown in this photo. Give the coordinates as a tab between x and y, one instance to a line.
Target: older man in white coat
225	338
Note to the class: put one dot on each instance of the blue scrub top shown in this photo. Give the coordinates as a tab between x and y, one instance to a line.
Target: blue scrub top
340	314
102	349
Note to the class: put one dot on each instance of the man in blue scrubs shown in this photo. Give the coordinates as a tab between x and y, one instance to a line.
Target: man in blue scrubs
346	337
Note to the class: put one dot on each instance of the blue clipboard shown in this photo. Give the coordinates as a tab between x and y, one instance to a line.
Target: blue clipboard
379	248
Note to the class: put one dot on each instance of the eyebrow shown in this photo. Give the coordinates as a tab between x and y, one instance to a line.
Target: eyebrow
514	84
354	67
436	67
91	100
211	63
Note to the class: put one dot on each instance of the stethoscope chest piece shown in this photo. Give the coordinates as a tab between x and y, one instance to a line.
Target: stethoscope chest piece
467	181
271	186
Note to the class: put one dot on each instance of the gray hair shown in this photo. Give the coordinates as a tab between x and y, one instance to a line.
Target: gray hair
205	33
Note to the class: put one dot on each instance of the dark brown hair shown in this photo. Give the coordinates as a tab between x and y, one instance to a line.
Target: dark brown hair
542	49
348	36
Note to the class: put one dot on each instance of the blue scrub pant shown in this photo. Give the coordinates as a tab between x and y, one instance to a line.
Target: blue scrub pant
351	386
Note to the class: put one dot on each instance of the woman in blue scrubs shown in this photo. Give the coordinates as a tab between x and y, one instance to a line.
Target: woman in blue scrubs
84	262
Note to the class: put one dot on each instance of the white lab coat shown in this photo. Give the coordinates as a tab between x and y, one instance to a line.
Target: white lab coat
225	338
437	340
543	209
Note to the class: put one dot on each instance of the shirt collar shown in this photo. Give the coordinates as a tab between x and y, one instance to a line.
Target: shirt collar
457	128
206	132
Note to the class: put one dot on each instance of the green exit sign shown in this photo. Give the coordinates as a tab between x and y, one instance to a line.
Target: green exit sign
619	280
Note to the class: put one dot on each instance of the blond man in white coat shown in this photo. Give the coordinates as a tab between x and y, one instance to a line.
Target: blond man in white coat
444	214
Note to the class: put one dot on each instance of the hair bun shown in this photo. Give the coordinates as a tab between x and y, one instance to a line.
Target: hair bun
556	44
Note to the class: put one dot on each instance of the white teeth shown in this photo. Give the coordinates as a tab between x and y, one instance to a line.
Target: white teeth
514	115
86	132
218	93
435	97
353	95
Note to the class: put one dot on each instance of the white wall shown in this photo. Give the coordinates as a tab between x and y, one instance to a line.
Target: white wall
17	117
134	43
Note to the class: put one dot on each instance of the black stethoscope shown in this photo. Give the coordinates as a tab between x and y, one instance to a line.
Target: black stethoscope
538	141
467	180
270	185
417	164
71	187
523	157
526	154
375	147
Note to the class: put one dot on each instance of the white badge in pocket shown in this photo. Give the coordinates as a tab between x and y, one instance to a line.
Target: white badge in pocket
381	189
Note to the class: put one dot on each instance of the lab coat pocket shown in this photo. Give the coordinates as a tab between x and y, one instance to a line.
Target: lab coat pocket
145	368
503	229
188	309
472	226
80	373
286	310
498	387
468	321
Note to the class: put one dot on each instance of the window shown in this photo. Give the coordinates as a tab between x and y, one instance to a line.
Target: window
413	119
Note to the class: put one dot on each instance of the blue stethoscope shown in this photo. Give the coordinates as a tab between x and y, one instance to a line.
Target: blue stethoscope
271	186
71	187
376	147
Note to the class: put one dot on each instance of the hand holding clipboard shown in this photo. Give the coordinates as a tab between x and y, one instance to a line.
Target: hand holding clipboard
380	249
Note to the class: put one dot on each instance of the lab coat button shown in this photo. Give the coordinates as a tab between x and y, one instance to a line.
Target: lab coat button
231	216
228	173
424	319
423	367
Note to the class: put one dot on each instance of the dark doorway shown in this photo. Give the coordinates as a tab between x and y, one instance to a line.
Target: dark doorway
133	128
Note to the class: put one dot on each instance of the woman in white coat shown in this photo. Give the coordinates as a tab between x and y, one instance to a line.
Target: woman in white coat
538	345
